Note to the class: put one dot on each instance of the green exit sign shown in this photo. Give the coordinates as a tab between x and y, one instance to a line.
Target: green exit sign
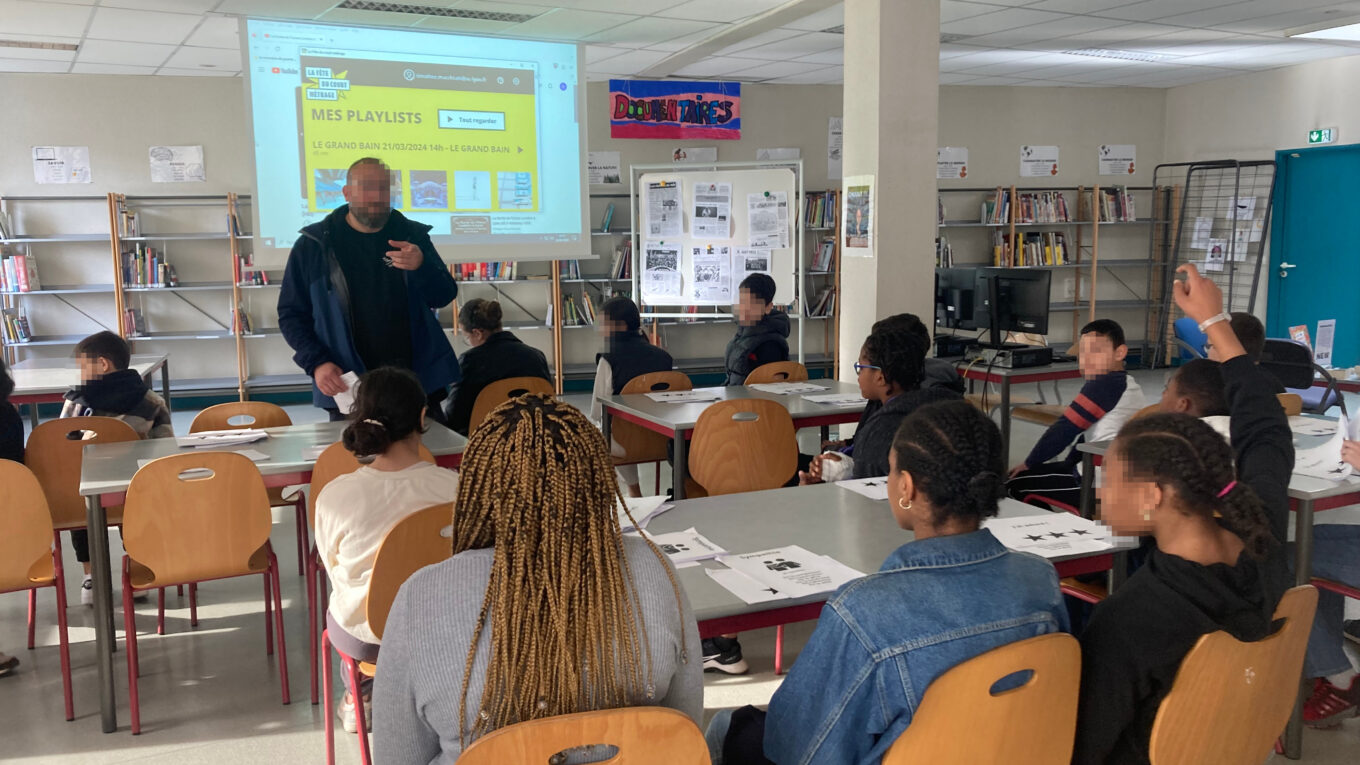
1322	135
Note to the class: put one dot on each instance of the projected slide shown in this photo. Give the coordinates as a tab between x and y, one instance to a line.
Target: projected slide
483	138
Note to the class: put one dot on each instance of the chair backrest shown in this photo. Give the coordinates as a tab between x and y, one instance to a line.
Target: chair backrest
962	721
638	443
418	540
743	444
1230	699
1289	361
196	516
776	372
1146	411
333	462
253	414
1187	330
27	538
499	392
53	454
1292	403
654	735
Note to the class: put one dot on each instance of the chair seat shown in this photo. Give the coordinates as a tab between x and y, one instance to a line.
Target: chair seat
993	401
115	516
368	669
40	574
143	578
1040	414
1313	398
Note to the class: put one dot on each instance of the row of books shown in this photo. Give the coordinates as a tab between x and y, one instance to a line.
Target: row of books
16	328
824	305
504	270
824	258
240	321
1042	207
1043	249
255	278
622	267
19	273
569	269
134	323
944	253
819	209
147	267
996	209
608	219
1116	205
577	313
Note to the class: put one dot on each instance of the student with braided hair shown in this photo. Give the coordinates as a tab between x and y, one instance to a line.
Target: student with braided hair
544	609
1167	475
355	511
953	593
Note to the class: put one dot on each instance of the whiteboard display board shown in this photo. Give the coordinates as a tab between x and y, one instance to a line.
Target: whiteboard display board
705	243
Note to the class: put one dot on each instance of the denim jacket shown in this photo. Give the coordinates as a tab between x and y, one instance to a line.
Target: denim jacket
883	639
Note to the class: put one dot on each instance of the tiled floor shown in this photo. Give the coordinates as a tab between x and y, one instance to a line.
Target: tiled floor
210	695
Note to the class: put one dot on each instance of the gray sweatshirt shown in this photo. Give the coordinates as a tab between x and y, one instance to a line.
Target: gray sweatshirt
420	669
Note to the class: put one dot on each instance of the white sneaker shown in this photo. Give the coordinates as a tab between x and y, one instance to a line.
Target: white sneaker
348	719
87	591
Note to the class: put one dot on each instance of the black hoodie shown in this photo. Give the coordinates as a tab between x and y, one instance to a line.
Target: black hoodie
122	394
874	437
764	342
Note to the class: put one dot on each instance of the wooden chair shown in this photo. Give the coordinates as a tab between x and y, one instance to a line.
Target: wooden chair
638	443
744	444
652	735
961	721
1039	414
1230	700
417	541
28	560
1146	411
259	414
333	462
499	392
777	372
1291	402
53	453
181	526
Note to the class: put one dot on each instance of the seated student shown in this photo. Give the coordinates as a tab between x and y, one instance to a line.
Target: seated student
890	372
355	511
1197	389
495	355
109	389
628	354
1168	475
11	448
1107	400
1252	334
953	593
762	332
479	642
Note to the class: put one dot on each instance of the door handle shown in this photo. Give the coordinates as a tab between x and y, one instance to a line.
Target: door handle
1284	269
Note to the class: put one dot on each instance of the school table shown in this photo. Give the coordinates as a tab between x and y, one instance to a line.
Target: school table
45	381
676	420
1004	377
825	519
1307	495
106	471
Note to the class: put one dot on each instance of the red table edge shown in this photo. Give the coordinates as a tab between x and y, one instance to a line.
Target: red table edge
37	398
809	421
982	375
731	625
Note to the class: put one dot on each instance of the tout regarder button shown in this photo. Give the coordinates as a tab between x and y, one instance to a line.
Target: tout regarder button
458	119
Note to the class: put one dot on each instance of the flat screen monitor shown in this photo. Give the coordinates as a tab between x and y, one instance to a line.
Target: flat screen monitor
955	298
1013	300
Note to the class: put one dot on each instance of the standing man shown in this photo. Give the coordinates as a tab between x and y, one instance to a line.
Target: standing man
358	294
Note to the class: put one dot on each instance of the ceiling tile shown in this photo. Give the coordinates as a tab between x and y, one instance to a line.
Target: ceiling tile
825	57
1149	10
954	50
832	75
954	10
715	66
596	53
997	81
1008	18
649	31
1077	6
187	57
467	26
1066	27
642	7
794	47
165	70
816	22
111	69
369	18
570	24
718	10
298	9
1114	37
685	41
951	78
776	69
498	6
175	6
32	65
141	26
764	38
216	32
131	53
631	62
36	18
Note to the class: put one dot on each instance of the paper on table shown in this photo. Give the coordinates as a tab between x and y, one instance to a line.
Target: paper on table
313	453
686	396
787	388
873	488
838	399
793	570
1325	461
250	454
221	438
344	400
749	590
643	509
685	546
1312	426
1050	535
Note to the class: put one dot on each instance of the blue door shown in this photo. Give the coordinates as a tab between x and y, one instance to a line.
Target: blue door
1315	247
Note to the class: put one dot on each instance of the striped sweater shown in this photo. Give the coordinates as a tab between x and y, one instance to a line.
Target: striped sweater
1102	407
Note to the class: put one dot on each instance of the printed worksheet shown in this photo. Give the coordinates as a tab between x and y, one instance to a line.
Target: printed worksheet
793	570
1051	535
686	546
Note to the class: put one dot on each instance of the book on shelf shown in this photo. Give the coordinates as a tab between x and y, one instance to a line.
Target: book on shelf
939	209
1044	249
1001	249
1042	207
254	278
569	269
19	273
608	218
16	327
824	305
1116	205
622	267
240	321
505	270
147	267
944	253
819	209
996	209
824	258
129	223
134	323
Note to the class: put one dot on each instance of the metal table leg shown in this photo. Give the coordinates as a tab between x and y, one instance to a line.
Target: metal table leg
1119	571
32	416
165	384
96	524
1006	418
680	470
1303	574
1087	504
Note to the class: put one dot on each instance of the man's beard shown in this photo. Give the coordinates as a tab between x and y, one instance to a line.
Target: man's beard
375	218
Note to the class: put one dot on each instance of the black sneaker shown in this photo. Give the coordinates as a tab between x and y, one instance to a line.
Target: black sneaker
724	655
1352	630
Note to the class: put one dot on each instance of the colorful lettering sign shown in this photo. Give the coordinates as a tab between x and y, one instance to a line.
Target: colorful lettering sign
673	109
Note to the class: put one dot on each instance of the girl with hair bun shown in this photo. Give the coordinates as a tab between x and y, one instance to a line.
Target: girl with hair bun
494	355
1218	518
355	511
953	593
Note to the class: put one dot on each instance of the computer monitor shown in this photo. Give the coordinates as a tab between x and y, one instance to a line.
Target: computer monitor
1012	300
955	298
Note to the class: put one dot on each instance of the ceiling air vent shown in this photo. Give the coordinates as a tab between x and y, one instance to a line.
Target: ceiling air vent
430	10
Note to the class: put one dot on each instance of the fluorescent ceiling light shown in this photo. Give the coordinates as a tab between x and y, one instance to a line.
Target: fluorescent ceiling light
1123	55
1346	32
38	45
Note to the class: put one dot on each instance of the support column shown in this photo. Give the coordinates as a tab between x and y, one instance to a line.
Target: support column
891	110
